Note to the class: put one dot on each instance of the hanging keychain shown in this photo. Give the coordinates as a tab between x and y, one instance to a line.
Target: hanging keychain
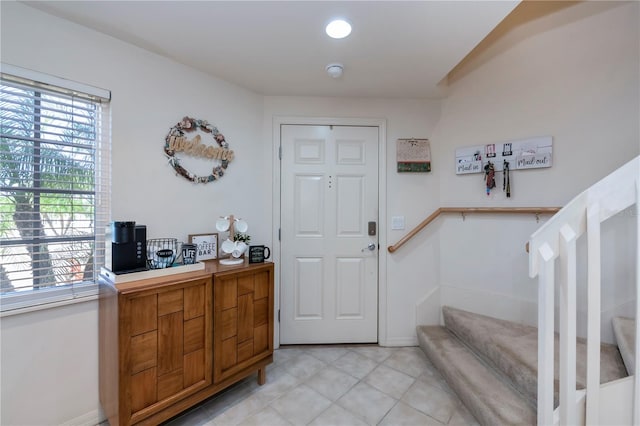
490	175
506	182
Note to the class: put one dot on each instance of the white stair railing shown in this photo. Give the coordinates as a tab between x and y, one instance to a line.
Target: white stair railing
555	242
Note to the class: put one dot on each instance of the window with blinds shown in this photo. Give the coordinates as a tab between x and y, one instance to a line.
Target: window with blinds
55	186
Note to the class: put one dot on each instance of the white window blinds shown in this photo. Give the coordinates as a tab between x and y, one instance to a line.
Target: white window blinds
54	188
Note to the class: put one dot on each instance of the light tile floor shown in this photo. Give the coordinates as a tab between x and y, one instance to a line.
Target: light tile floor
337	385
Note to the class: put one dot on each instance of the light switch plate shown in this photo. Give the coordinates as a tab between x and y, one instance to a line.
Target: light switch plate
397	222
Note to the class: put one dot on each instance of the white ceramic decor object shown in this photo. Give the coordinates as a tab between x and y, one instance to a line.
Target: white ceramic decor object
239	249
227	246
241	226
222	224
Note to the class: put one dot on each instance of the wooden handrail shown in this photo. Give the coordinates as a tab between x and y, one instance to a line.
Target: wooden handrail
463	210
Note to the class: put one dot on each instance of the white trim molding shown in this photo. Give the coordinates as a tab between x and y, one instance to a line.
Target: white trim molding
381	123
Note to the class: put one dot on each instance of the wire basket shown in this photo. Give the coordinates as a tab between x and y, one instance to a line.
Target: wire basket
161	252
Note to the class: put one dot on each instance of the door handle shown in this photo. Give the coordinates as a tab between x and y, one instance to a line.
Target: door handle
370	247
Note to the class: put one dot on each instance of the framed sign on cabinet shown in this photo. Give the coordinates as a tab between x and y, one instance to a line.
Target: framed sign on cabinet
206	245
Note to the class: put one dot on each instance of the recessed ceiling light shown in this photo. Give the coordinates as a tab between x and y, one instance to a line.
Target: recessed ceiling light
338	28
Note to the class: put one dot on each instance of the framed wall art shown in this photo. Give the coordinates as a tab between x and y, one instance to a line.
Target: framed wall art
413	155
206	246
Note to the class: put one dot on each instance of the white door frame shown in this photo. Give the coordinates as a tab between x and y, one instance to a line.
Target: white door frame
381	123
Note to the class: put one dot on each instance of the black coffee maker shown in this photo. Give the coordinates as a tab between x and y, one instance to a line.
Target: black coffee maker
126	247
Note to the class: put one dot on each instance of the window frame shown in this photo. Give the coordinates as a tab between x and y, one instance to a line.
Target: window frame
46	297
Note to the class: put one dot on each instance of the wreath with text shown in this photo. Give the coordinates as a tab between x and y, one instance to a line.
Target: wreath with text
177	141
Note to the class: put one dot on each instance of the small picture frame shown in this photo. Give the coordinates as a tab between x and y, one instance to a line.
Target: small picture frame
206	245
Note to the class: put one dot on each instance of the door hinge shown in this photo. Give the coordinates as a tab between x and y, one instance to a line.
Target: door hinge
279	234
278	315
280	153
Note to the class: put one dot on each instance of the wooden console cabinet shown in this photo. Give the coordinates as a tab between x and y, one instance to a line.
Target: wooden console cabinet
170	342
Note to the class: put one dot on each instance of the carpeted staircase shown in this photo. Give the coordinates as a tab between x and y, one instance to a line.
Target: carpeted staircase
492	364
624	330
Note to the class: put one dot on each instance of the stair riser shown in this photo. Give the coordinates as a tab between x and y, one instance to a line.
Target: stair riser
490	399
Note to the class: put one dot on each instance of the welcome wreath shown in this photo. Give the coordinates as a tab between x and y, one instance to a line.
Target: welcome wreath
176	141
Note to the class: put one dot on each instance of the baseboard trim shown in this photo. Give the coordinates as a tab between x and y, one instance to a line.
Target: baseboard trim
91	418
400	341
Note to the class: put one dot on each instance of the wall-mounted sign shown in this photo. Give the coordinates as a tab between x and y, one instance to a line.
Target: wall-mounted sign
413	155
198	140
531	153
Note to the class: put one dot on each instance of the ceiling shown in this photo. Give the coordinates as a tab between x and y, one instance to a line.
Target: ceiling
397	49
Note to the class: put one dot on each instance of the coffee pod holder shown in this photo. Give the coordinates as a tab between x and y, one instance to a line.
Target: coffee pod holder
235	249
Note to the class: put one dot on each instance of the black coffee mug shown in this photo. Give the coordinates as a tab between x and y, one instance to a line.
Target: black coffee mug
189	253
257	254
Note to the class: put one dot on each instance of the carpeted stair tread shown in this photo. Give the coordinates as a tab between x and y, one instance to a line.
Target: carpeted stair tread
485	393
624	329
513	349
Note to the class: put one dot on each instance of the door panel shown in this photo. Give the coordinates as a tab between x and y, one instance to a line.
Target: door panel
350	206
329	282
308	288
309	207
350	289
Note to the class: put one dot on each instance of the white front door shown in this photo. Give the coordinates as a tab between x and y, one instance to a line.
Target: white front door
329	238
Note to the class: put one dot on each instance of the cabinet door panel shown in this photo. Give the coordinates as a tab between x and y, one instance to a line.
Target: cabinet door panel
170	301
245	350
228	293
260	312
193	335
170	384
245	317
144	351
173	360
228	324
229	354
194	302
262	285
170	338
194	368
144	314
143	389
261	339
245	284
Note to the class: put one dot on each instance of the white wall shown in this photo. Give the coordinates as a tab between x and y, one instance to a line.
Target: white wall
569	72
150	94
50	366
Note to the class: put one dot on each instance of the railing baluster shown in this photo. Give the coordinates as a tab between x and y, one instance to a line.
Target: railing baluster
593	314
636	400
545	335
567	374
